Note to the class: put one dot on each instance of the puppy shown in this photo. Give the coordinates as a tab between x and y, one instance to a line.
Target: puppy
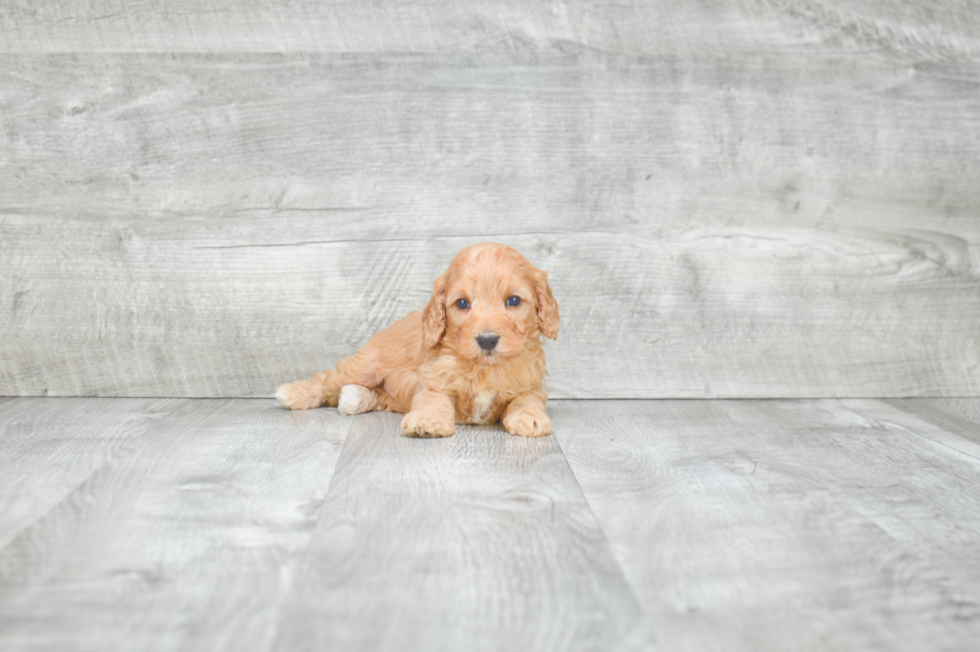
473	355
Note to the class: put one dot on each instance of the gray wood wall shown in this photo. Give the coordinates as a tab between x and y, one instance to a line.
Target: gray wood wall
734	199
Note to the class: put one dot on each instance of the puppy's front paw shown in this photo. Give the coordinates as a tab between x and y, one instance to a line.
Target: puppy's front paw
301	395
420	424
527	423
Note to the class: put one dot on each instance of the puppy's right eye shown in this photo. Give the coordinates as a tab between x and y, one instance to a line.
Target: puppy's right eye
463	304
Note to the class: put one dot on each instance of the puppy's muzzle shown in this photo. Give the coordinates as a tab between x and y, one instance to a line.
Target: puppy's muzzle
487	341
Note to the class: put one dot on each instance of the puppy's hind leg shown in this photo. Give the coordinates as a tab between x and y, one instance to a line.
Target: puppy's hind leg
322	389
357	399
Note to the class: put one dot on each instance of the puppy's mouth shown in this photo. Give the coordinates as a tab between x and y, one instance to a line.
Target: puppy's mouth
495	356
488	357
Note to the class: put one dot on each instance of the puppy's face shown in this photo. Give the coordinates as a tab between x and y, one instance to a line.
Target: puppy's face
488	303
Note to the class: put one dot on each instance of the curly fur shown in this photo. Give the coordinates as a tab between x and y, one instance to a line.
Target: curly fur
430	366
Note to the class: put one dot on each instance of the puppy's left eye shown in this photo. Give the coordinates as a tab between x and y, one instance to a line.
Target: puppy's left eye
513	301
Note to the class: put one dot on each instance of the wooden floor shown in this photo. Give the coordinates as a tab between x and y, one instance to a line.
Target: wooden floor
186	524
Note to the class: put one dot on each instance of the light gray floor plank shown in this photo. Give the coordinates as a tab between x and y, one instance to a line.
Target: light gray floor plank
482	541
957	415
748	525
48	447
939	30
917	483
730	525
887	416
187	541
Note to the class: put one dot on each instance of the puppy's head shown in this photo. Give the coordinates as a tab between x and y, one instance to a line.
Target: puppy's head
488	304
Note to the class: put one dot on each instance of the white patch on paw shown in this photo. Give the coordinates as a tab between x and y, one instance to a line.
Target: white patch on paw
355	399
282	397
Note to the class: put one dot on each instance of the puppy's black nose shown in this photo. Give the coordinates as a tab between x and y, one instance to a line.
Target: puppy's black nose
487	341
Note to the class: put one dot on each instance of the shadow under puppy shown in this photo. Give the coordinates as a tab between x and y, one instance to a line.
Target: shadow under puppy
473	355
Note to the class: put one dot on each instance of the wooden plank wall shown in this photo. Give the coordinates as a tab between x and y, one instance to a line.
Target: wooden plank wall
734	199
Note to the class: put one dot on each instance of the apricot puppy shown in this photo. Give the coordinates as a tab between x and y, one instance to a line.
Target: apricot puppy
473	355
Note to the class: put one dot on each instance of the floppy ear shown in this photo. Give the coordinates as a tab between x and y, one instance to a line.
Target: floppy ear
548	316
434	313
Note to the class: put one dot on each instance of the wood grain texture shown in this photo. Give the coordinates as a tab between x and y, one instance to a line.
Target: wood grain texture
960	416
784	524
632	26
48	449
481	541
734	224
187	540
703	525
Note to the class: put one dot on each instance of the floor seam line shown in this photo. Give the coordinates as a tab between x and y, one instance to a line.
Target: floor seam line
605	538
